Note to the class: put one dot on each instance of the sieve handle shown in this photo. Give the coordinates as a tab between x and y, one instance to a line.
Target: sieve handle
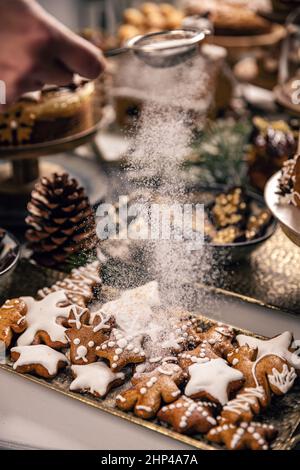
116	51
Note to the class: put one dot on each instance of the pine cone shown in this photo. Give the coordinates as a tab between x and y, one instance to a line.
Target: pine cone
61	221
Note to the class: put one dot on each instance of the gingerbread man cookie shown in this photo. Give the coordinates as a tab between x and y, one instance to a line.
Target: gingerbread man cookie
187	416
253	436
39	359
85	340
78	286
213	380
12	319
120	350
42	321
220	339
150	389
96	379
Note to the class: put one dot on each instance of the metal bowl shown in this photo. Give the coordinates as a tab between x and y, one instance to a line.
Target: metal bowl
235	252
10	243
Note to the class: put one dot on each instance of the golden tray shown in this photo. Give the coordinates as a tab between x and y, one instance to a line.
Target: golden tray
284	412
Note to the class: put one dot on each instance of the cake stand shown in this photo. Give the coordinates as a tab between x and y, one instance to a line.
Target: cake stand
287	215
22	166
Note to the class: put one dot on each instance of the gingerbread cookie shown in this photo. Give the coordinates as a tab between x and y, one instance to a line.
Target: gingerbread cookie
78	286
96	379
220	339
78	316
42	321
279	345
150	389
213	380
39	359
184	333
12	319
120	350
263	376
201	354
85	340
253	436
187	416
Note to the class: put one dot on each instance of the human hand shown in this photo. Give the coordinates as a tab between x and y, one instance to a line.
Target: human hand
37	49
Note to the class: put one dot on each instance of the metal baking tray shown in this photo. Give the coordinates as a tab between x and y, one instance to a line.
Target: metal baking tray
283	414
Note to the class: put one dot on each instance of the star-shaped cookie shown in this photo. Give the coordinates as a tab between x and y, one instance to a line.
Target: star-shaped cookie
95	378
213	380
279	345
187	416
39	359
253	436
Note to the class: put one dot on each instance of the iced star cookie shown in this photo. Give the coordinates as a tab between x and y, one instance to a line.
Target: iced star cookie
38	359
213	380
121	350
252	436
149	390
44	318
96	379
12	319
187	416
78	286
279	345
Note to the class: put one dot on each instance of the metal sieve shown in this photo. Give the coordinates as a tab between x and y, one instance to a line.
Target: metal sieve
165	48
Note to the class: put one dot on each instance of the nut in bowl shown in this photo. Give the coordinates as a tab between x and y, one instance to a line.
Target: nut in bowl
237	223
9	254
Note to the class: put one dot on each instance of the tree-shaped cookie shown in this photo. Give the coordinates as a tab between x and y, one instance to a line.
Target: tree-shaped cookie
39	359
252	436
78	286
12	319
96	379
187	416
149	390
42	321
213	380
120	350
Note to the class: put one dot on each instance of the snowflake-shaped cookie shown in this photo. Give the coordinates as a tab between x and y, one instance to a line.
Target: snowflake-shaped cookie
121	350
253	436
187	416
42	321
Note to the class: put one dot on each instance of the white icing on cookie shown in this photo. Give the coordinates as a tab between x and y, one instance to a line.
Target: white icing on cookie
212	377
42	316
283	380
39	354
77	312
279	346
94	378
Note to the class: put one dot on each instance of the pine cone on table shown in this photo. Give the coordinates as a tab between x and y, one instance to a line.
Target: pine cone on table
61	221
